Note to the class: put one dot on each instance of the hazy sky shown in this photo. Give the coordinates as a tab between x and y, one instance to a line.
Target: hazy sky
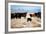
21	9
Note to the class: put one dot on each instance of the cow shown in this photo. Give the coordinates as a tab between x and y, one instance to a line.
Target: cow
38	14
13	15
29	19
18	15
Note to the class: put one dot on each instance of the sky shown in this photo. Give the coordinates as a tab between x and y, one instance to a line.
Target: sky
22	9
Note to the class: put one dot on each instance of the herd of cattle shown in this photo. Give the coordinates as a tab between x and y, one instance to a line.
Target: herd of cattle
19	15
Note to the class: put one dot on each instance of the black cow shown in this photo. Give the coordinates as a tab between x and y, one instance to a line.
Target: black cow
29	19
13	15
18	15
38	14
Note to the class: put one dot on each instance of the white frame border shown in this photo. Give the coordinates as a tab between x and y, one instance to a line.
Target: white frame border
24	29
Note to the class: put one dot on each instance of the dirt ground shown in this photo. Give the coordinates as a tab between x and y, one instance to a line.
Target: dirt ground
22	23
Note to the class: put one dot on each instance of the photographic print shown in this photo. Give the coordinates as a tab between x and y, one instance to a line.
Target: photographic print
25	17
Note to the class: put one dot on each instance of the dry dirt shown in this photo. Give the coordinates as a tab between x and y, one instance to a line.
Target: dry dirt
22	23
